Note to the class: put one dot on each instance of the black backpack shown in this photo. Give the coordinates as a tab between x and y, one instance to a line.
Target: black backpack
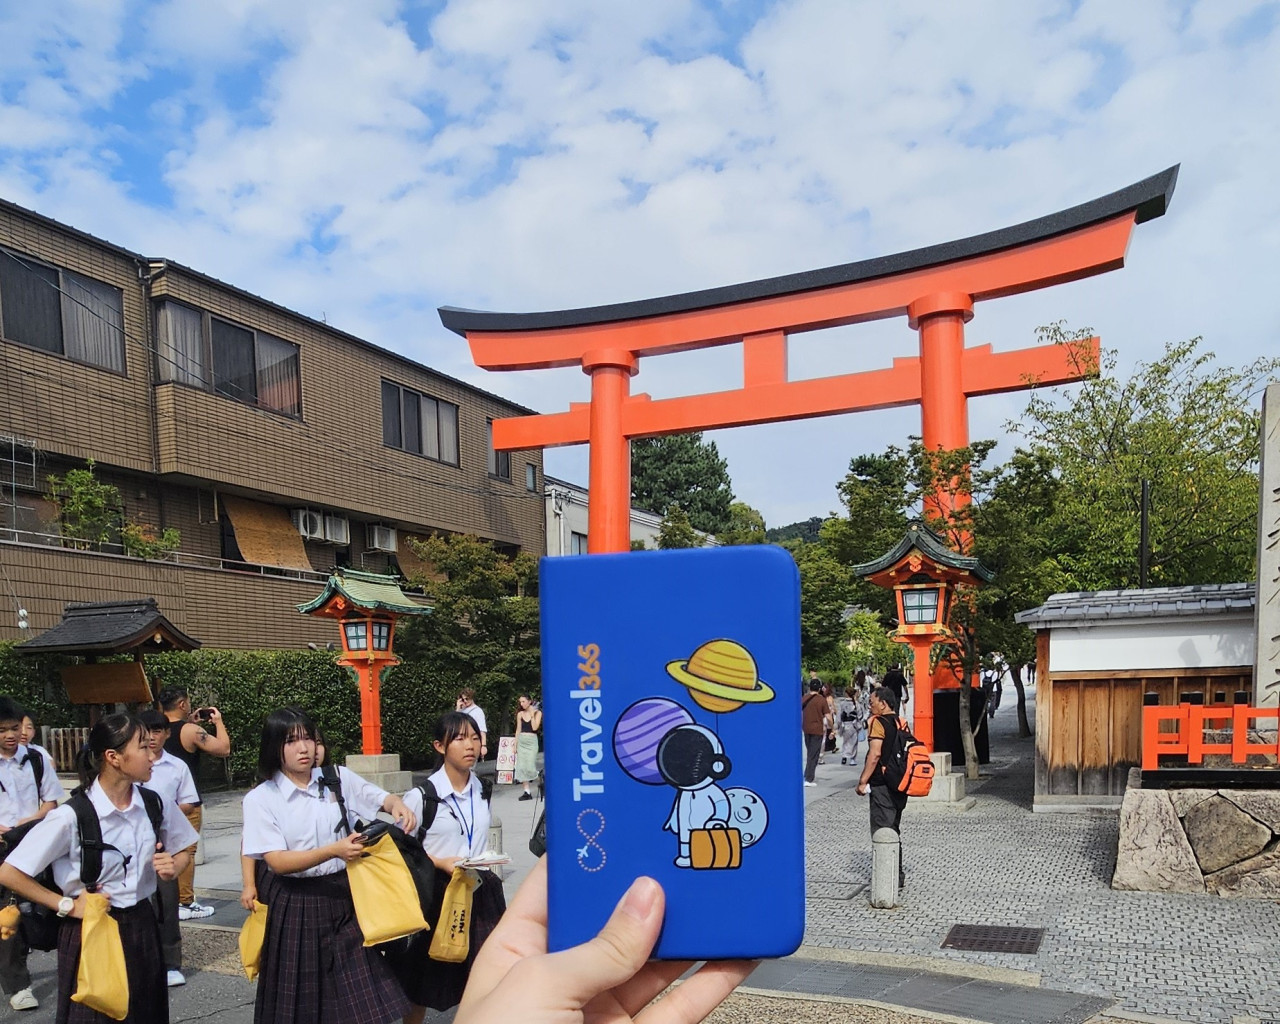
415	857
40	925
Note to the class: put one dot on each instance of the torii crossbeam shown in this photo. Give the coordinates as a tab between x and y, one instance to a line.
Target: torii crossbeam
935	288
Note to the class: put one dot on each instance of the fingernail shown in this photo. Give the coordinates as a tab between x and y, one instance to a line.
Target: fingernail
639	900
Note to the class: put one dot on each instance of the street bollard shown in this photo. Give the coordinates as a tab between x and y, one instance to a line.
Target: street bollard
495	834
886	850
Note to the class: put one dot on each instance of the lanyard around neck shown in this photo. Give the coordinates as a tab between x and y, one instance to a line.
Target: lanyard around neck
468	826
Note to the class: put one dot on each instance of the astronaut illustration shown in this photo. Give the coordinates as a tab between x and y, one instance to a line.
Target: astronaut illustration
657	742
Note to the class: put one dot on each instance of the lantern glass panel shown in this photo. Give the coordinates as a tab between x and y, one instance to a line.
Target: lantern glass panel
357	634
381	636
920	606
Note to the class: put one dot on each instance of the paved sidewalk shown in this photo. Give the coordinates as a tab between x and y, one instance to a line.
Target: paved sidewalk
1192	958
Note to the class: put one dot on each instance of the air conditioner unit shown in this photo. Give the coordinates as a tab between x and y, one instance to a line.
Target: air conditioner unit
309	522
382	538
336	529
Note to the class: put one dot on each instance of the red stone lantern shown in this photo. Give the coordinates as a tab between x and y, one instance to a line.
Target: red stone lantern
366	606
923	574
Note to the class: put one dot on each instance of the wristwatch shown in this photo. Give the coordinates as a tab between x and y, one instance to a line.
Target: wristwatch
65	906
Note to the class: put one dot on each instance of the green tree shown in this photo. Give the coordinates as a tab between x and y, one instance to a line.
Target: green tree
825	585
868	642
807	531
675	530
683	470
90	510
483	628
1182	422
746	526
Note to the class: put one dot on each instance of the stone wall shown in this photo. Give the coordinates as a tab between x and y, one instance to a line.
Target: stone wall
1223	841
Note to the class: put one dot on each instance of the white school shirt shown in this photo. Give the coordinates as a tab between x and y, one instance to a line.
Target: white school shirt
477	716
279	815
56	841
19	798
461	826
171	778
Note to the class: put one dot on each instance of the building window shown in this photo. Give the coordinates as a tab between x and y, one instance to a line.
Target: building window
530	477
61	311
237	362
577	543
499	462
418	423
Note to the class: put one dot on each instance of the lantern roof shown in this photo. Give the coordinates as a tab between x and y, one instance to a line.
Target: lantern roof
111	627
369	591
933	549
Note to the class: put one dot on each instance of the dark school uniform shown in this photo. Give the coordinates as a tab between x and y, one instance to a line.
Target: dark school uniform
128	880
315	966
460	829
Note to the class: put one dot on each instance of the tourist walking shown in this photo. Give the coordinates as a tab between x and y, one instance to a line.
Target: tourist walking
467	705
850	721
813	724
528	724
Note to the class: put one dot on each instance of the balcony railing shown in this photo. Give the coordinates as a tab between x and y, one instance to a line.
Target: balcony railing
181	558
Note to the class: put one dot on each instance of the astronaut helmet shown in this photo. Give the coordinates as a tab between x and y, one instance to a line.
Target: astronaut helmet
691	756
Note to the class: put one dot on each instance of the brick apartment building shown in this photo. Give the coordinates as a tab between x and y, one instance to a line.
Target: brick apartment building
277	446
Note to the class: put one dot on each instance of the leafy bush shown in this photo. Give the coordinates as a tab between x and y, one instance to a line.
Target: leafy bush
35	683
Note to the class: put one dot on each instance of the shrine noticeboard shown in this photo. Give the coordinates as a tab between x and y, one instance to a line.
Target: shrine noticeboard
506	760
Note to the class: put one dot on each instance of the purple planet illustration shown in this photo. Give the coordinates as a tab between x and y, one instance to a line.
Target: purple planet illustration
639	731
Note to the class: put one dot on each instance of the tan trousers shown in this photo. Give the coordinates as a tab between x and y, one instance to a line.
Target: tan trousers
186	880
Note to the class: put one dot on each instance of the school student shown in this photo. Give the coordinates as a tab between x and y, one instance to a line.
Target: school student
29	734
21	800
111	767
172	779
315	966
460	829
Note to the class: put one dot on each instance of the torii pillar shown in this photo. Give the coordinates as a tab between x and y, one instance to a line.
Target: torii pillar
935	288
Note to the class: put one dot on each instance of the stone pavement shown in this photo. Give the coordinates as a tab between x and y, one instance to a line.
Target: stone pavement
1192	958
1188	958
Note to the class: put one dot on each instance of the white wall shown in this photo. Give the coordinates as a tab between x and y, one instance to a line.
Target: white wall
567	515
1216	641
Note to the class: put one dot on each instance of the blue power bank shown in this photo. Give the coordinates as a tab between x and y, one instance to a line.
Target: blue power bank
671	697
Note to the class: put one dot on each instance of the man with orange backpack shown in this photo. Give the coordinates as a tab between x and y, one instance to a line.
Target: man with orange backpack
893	767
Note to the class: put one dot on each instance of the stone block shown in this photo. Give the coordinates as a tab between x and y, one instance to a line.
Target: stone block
1262	804
946	788
941	762
1257	878
1153	854
1185	799
1221	834
371	764
392	782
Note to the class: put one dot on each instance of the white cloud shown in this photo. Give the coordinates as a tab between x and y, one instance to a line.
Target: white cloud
543	154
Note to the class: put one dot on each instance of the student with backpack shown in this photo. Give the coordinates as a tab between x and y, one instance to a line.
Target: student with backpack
29	789
453	807
894	767
314	964
111	837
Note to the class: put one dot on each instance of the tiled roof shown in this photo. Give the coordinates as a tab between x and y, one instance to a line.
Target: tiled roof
1153	603
110	627
369	590
925	540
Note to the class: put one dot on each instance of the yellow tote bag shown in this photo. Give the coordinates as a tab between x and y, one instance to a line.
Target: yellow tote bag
252	934
384	894
452	940
101	981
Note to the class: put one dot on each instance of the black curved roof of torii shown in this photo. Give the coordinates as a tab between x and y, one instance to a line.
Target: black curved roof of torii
1149	198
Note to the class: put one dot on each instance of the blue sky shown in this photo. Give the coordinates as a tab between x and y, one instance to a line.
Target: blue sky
367	162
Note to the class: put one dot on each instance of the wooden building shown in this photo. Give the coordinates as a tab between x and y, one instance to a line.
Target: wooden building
1098	653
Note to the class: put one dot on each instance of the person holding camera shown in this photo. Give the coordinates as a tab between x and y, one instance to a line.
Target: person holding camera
189	737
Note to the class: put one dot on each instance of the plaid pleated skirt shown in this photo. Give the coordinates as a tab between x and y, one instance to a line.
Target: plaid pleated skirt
144	967
315	967
433	983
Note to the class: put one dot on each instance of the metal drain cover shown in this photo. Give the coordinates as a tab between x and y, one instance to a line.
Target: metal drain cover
990	938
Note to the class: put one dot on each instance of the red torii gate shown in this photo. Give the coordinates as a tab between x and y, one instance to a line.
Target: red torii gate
935	287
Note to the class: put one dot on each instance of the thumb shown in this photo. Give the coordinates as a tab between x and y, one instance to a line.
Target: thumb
619	951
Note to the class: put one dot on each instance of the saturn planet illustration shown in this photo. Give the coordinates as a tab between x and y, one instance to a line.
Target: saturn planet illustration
721	676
